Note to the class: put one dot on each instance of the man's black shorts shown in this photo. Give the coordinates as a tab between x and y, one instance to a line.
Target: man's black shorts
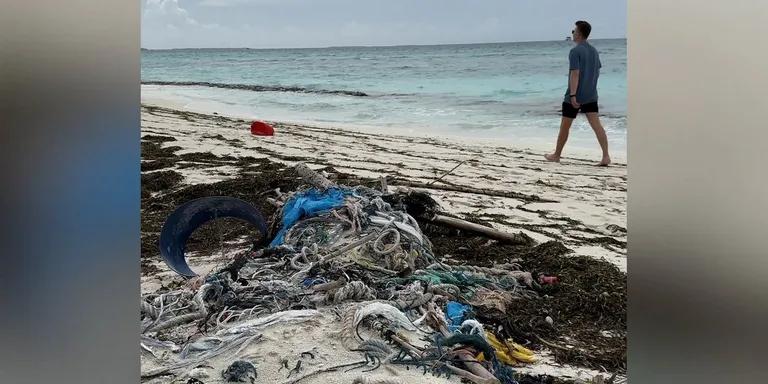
570	111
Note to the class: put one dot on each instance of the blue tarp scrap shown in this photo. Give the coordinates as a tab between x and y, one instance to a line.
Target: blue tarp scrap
455	314
312	281
308	204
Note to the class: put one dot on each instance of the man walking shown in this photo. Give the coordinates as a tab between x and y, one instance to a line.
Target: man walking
581	94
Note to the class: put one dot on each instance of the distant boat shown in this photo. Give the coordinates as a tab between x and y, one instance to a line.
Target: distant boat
567	38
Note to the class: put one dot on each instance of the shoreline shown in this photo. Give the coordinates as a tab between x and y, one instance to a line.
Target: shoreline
544	145
374	46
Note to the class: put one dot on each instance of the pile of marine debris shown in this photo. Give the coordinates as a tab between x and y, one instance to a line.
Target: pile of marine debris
355	250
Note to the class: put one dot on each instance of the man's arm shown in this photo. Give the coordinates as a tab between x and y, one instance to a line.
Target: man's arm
573	85
574	61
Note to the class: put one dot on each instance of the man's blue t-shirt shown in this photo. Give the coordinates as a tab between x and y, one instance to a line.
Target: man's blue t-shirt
585	58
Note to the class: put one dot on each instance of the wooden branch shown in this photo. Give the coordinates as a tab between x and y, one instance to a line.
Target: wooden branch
471	376
473	365
447	173
313	178
404	344
513	238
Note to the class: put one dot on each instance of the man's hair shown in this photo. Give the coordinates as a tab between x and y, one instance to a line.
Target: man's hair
584	28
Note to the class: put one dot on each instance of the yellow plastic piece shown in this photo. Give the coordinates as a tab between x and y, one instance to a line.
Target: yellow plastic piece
506	359
519	347
523	357
509	352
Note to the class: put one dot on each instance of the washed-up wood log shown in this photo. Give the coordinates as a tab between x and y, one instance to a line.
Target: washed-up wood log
512	238
313	178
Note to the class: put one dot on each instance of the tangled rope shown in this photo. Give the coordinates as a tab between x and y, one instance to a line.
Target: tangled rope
445	290
149	310
355	290
380	249
200	313
415	300
516	274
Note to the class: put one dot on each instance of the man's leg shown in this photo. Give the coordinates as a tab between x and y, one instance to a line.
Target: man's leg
562	137
602	138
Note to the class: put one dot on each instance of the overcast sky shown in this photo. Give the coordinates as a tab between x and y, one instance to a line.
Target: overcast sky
323	23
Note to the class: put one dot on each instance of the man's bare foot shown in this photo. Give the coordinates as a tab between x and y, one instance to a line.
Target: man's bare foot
552	157
604	163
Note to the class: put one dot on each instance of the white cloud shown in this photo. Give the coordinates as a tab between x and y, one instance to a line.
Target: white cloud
314	23
167	12
232	3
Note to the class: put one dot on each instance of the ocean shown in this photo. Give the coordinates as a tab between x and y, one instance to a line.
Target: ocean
510	92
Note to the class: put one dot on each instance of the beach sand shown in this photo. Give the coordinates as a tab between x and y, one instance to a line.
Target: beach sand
574	202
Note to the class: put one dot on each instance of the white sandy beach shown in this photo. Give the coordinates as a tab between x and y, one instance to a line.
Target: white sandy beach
582	205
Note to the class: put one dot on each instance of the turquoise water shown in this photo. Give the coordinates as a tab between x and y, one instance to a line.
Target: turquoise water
498	91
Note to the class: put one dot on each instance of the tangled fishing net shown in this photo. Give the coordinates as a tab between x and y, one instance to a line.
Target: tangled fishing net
338	246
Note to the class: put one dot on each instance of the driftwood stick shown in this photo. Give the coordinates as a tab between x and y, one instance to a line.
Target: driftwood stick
313	178
404	344
447	173
479	191
471	376
514	238
473	365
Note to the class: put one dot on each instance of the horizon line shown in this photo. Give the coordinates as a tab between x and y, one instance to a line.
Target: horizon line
375	46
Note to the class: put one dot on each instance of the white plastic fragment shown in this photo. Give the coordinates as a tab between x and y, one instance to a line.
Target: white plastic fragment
291	316
385	310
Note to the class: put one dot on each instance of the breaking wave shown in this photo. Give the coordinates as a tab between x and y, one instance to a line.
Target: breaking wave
257	88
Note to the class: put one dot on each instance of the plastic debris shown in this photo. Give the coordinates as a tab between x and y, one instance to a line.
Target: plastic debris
354	248
198	373
510	352
260	128
387	311
455	313
191	215
240	371
292	316
472	327
305	204
547	280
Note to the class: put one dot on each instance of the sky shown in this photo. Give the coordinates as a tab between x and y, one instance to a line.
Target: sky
324	23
